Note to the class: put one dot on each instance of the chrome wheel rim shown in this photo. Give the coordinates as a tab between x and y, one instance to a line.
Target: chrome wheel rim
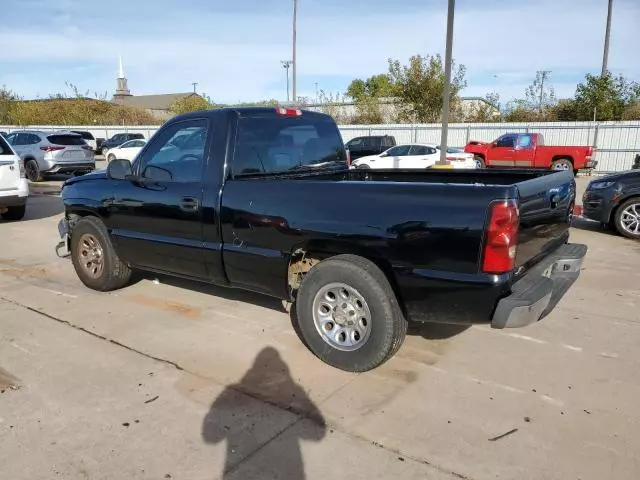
561	166
478	163
91	255
342	317
630	219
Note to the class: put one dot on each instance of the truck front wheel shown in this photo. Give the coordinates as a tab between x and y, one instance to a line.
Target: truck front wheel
479	161
94	259
348	314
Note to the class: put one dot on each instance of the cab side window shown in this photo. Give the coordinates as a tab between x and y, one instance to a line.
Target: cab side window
506	141
177	154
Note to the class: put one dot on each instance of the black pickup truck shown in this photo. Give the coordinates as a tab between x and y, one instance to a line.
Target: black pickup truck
262	199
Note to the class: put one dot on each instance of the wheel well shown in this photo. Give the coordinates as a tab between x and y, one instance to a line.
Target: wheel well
303	259
612	216
562	157
77	215
481	155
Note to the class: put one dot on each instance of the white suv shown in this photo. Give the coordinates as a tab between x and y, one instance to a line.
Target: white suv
52	153
14	187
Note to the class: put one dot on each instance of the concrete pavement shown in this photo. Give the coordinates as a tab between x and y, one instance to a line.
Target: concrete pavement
238	393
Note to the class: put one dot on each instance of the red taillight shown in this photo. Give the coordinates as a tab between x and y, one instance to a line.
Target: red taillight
288	112
348	157
502	237
51	148
86	147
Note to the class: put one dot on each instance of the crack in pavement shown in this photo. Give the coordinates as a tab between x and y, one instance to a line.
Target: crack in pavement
301	414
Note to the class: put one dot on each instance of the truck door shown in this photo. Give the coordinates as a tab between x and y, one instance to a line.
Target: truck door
156	218
501	153
525	151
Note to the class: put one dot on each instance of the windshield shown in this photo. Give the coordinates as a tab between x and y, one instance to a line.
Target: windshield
281	144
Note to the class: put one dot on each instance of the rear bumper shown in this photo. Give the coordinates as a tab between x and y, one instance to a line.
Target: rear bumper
13	201
536	293
72	167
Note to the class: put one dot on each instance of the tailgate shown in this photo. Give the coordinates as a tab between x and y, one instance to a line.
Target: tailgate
545	205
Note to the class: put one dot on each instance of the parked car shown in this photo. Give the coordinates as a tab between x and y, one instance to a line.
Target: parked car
87	137
458	158
400	156
46	153
117	140
128	150
255	198
614	201
528	150
14	188
370	145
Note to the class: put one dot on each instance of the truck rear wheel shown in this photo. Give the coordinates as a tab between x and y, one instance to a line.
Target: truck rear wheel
348	314
562	164
95	260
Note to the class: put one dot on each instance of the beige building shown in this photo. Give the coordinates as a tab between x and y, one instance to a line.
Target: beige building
157	105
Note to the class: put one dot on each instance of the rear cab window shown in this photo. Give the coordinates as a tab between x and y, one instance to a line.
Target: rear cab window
275	144
67	140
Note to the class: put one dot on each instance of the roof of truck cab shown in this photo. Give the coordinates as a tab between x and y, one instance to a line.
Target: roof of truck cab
242	111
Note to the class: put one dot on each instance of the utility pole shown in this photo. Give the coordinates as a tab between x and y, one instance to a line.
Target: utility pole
286	64
195	84
605	55
447	84
295	62
543	74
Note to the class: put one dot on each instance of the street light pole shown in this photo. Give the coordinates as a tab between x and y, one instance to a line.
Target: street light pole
295	62
447	84
605	55
286	64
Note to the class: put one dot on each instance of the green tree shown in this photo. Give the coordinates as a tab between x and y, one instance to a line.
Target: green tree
192	103
7	99
632	111
376	86
605	95
419	87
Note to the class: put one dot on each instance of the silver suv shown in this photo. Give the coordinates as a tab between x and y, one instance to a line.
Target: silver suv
52	152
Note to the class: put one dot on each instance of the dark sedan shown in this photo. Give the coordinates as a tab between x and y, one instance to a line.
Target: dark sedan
614	200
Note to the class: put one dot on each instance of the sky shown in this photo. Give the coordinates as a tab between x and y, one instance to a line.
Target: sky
233	49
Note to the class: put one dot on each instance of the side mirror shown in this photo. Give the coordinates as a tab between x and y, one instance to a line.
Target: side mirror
494	144
157	174
119	169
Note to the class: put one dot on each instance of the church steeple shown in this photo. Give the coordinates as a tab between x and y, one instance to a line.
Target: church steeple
122	90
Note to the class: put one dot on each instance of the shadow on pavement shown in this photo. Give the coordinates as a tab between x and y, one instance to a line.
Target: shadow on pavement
592	226
436	331
222	292
39	207
238	419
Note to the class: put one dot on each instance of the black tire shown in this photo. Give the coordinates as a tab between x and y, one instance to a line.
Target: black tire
364	166
32	171
634	203
562	164
388	325
115	274
111	157
104	151
479	161
15	213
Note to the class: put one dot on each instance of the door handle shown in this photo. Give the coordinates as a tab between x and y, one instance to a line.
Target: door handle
189	204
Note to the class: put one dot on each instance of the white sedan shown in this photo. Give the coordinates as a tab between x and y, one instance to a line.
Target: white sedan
417	155
128	150
401	156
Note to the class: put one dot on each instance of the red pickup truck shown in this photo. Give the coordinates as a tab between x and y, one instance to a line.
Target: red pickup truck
527	150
